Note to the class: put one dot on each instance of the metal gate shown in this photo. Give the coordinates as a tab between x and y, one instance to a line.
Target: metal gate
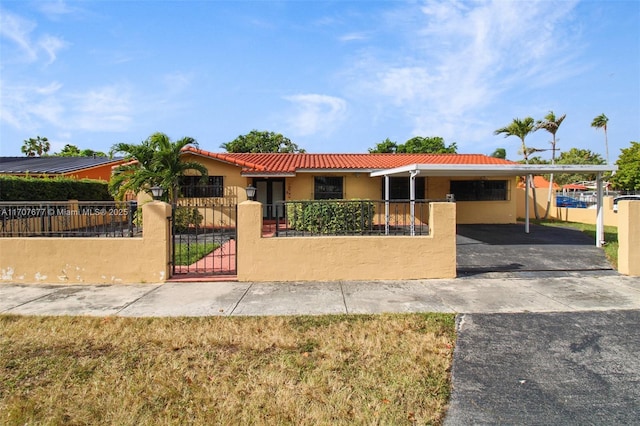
203	238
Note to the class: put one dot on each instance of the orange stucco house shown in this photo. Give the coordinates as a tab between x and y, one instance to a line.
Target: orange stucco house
482	195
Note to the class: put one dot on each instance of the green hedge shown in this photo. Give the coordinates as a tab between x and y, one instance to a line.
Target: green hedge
331	216
52	189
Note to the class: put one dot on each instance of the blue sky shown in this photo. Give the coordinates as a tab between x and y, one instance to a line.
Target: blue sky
331	76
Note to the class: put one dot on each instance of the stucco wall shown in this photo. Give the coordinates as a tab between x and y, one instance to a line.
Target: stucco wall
346	257
629	237
566	214
92	260
470	212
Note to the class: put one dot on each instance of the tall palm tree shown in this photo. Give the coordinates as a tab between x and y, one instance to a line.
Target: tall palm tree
551	123
35	146
155	161
519	128
600	122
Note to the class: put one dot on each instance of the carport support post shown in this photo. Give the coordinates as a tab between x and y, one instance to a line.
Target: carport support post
412	202
600	213
526	204
386	205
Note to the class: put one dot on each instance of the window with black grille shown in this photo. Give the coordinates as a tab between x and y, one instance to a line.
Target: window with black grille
399	188
480	190
328	187
194	187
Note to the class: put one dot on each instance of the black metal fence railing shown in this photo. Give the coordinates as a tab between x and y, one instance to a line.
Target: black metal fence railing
351	217
70	219
204	238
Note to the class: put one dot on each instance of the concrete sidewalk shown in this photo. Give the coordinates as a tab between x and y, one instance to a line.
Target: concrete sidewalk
568	293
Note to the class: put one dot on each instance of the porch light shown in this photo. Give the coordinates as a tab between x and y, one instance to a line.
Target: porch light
251	192
156	192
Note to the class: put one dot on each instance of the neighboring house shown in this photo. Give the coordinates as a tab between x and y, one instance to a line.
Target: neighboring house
482	194
99	168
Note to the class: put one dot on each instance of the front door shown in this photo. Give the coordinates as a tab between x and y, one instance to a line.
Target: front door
270	192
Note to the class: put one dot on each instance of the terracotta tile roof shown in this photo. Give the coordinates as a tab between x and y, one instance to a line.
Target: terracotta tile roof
290	163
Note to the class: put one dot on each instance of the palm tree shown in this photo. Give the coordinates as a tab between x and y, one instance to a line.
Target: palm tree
519	128
550	124
154	162
35	146
600	122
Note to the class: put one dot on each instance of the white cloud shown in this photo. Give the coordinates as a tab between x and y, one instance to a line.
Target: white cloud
19	30
457	58
107	108
354	37
315	113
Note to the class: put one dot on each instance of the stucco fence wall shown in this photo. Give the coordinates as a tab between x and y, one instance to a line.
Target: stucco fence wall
566	214
333	258
92	260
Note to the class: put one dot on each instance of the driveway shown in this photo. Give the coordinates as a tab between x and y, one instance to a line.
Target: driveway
576	368
509	251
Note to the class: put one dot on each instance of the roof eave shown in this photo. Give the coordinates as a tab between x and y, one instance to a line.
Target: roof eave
492	169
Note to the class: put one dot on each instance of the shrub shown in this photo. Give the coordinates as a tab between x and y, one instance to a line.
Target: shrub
185	218
331	216
14	188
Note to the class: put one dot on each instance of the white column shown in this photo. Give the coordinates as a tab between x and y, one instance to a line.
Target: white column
412	202
526	203
386	204
600	212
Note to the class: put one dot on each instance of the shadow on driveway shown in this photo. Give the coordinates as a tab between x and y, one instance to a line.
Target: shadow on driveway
486	249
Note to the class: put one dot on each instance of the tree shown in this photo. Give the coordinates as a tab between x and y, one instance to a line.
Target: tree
155	161
427	145
73	151
628	175
551	125
499	153
519	128
35	146
600	122
416	145
91	153
387	146
578	156
68	151
261	141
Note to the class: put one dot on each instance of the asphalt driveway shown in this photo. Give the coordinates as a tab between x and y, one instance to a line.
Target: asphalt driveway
509	251
577	368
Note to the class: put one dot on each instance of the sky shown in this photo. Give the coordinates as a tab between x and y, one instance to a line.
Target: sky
332	76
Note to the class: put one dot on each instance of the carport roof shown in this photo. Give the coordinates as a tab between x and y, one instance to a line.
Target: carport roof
492	169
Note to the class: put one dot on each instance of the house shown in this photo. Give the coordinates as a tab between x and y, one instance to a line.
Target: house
99	168
482	195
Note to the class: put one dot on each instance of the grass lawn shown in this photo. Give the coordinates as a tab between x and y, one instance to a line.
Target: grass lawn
610	236
188	254
299	370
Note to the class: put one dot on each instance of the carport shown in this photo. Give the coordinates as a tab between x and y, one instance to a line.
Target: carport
497	170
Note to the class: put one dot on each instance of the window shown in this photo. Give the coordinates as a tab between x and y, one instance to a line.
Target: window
192	187
399	188
479	190
327	187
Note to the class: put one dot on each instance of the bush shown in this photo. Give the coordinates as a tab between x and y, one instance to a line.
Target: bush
186	218
331	217
14	188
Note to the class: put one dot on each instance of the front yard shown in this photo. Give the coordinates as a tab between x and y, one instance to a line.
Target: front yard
355	369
